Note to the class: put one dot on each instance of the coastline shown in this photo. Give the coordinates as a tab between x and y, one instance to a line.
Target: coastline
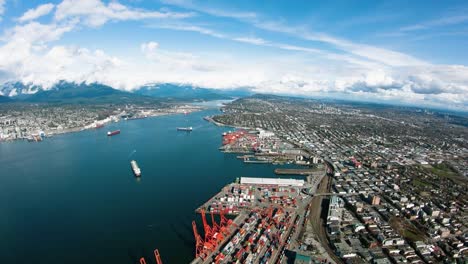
185	109
219	124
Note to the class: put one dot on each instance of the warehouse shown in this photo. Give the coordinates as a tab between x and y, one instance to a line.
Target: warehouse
272	181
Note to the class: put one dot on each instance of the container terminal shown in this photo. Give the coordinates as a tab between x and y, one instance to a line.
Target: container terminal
256	220
269	215
260	146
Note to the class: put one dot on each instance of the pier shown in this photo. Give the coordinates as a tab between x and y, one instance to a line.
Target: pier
295	171
269	213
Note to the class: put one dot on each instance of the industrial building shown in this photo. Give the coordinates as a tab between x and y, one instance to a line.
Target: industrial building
272	181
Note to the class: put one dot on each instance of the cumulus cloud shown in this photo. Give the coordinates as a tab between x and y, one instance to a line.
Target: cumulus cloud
28	53
24	42
176	61
149	47
37	12
96	13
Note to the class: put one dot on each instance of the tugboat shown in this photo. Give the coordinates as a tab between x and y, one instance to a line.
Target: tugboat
135	168
188	129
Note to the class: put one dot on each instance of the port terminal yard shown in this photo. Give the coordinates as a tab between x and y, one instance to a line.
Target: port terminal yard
269	214
260	146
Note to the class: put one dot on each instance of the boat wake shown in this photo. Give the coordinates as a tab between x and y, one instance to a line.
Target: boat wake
131	153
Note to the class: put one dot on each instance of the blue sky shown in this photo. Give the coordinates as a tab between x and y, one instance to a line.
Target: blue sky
411	52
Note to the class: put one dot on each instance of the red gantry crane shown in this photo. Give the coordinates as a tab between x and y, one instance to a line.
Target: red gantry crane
157	256
213	235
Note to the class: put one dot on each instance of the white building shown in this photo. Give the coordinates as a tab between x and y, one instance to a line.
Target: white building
264	134
272	181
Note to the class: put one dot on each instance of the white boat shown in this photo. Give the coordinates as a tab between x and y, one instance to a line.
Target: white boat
185	129
135	168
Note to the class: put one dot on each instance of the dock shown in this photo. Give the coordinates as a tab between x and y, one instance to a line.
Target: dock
294	171
268	216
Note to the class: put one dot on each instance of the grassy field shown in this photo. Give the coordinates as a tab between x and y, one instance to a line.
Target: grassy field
406	229
443	170
420	183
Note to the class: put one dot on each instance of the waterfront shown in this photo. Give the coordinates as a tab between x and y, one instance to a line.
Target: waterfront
73	199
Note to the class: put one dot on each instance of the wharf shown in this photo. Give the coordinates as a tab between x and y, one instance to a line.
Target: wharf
236	198
294	171
257	161
232	231
269	223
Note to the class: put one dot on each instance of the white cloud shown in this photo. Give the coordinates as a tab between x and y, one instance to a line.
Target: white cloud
188	4
23	42
28	53
376	54
444	21
366	70
37	12
251	40
96	13
191	28
149	47
380	55
176	61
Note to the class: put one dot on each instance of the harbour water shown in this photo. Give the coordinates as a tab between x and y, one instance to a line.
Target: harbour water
73	198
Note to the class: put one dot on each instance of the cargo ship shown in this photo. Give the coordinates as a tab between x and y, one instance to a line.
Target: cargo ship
113	133
135	168
188	129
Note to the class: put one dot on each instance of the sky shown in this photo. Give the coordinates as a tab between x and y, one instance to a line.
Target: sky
407	52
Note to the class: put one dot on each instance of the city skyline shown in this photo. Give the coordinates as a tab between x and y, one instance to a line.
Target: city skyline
374	51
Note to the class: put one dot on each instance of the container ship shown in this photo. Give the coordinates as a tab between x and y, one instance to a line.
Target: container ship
188	129
135	168
113	133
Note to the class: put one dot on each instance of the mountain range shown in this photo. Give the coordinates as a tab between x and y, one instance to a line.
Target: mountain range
188	92
69	92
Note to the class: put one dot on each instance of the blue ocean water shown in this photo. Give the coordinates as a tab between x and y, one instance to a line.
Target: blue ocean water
73	198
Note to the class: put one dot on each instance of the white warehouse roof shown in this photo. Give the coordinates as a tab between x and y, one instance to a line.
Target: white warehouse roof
272	181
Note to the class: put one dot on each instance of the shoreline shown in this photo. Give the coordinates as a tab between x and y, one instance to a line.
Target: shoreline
109	119
219	124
